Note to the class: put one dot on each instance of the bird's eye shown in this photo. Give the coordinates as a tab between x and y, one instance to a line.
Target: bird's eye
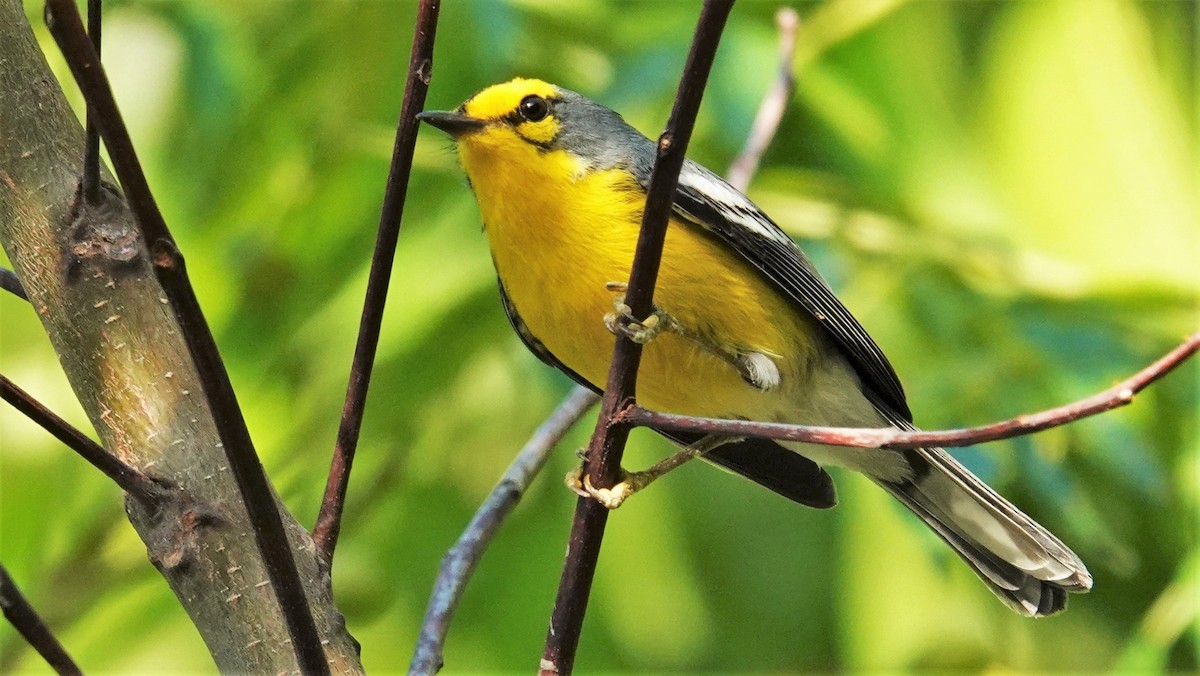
534	108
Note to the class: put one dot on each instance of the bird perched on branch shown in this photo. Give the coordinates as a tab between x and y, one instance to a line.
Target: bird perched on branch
743	327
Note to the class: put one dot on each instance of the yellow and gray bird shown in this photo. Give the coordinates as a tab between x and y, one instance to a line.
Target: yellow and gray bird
745	326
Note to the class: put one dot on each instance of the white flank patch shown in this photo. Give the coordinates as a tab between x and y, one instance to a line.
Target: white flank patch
763	371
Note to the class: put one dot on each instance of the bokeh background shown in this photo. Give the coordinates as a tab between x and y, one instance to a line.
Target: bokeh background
1005	193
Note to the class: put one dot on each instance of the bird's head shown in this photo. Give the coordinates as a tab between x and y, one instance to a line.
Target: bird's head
526	119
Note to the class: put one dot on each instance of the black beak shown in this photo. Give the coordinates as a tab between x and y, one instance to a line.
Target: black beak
454	124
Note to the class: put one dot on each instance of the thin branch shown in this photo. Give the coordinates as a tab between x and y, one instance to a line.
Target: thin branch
91	154
770	111
420	68
25	620
10	282
459	563
133	482
608	442
1114	397
65	24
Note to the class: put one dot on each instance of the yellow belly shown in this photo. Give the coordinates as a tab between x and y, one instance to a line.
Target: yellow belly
554	252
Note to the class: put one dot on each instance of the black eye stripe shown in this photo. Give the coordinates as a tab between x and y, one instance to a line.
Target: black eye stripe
514	118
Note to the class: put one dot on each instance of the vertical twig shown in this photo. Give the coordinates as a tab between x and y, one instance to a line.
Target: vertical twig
133	482
608	441
459	563
91	154
25	620
65	24
420	67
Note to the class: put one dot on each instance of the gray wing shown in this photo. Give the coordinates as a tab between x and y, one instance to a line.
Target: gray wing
761	460
708	201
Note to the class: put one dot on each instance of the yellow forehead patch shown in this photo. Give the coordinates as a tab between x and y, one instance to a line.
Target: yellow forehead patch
499	100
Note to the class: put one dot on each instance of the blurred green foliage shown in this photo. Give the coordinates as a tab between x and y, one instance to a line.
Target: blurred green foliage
1005	193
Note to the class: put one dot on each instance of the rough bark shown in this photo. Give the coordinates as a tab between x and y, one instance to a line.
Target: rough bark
89	281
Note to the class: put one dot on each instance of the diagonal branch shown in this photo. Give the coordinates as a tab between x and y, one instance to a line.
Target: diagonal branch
10	282
459	563
1119	395
133	482
25	620
65	24
608	442
770	111
420	69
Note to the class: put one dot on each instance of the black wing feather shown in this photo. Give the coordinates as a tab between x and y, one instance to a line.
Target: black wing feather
773	253
763	461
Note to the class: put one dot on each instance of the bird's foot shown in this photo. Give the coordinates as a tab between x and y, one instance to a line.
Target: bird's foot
631	482
622	322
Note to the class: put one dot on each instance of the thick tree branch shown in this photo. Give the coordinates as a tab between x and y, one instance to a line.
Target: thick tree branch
29	624
459	563
62	17
1114	397
608	442
90	279
420	69
133	482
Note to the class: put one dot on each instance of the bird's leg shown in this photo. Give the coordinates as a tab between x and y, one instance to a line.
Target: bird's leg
632	482
757	368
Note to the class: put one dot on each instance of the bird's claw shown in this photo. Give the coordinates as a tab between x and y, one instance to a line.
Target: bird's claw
611	498
622	322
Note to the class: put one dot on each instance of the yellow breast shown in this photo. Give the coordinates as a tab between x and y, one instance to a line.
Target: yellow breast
558	233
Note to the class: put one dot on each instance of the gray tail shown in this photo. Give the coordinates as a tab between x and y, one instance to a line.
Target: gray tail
1021	562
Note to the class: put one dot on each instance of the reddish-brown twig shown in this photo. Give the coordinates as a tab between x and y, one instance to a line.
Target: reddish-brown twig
420	67
770	111
65	24
460	561
1114	397
133	482
29	624
608	442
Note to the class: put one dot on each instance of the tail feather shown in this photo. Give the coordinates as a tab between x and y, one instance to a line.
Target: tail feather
1019	560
